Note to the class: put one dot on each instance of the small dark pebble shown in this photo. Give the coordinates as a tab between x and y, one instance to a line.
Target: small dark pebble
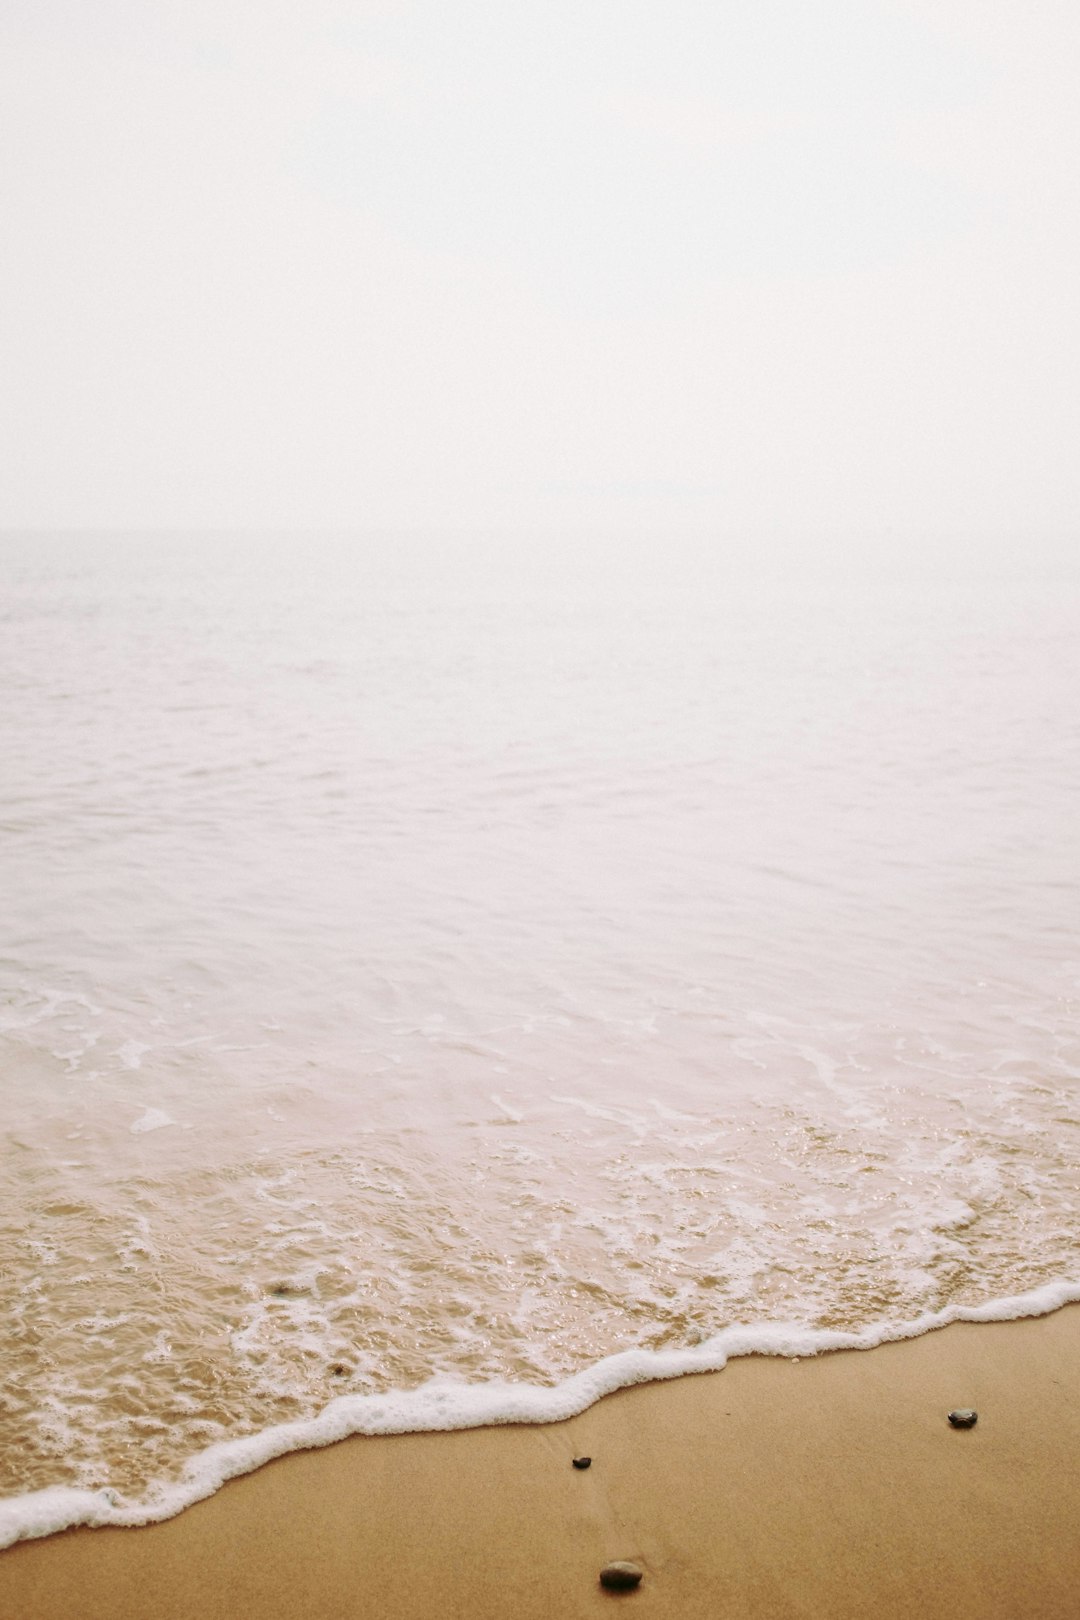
582	1462
620	1576
963	1418
339	1369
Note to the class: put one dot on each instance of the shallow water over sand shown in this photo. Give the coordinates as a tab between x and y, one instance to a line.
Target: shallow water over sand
427	961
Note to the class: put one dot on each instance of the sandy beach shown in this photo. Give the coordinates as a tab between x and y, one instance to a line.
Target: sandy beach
827	1487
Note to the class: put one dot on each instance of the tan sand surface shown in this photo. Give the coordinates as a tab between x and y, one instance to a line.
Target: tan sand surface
832	1487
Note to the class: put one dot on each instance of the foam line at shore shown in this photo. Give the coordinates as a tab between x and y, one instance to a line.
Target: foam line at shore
443	1404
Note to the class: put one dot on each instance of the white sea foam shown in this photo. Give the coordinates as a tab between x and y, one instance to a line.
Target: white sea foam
510	1113
154	1119
444	1404
132	1053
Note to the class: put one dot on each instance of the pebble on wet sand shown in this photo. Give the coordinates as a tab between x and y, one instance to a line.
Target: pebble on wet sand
963	1418
582	1462
620	1576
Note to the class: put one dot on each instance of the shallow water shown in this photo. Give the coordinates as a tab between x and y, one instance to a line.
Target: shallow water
480	962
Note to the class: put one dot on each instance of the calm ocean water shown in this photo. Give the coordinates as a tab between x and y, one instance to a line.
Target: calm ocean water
471	963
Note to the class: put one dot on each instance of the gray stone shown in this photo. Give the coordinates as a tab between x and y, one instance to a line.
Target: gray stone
963	1418
621	1576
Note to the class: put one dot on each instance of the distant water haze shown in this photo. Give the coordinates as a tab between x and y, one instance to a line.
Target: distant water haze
478	959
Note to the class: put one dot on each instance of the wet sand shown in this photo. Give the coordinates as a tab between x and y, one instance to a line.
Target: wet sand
831	1487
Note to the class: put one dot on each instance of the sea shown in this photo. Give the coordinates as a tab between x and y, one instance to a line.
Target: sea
446	978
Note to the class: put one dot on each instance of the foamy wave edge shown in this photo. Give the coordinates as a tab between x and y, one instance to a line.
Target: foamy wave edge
443	1404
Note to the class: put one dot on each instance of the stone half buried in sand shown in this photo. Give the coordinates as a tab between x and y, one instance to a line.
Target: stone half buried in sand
621	1576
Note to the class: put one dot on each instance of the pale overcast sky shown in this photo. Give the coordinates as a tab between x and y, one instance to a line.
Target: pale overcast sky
786	265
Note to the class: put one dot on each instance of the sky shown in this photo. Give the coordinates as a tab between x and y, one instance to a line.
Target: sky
772	268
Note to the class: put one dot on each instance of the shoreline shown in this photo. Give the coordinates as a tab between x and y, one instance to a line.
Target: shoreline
829	1486
438	1407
